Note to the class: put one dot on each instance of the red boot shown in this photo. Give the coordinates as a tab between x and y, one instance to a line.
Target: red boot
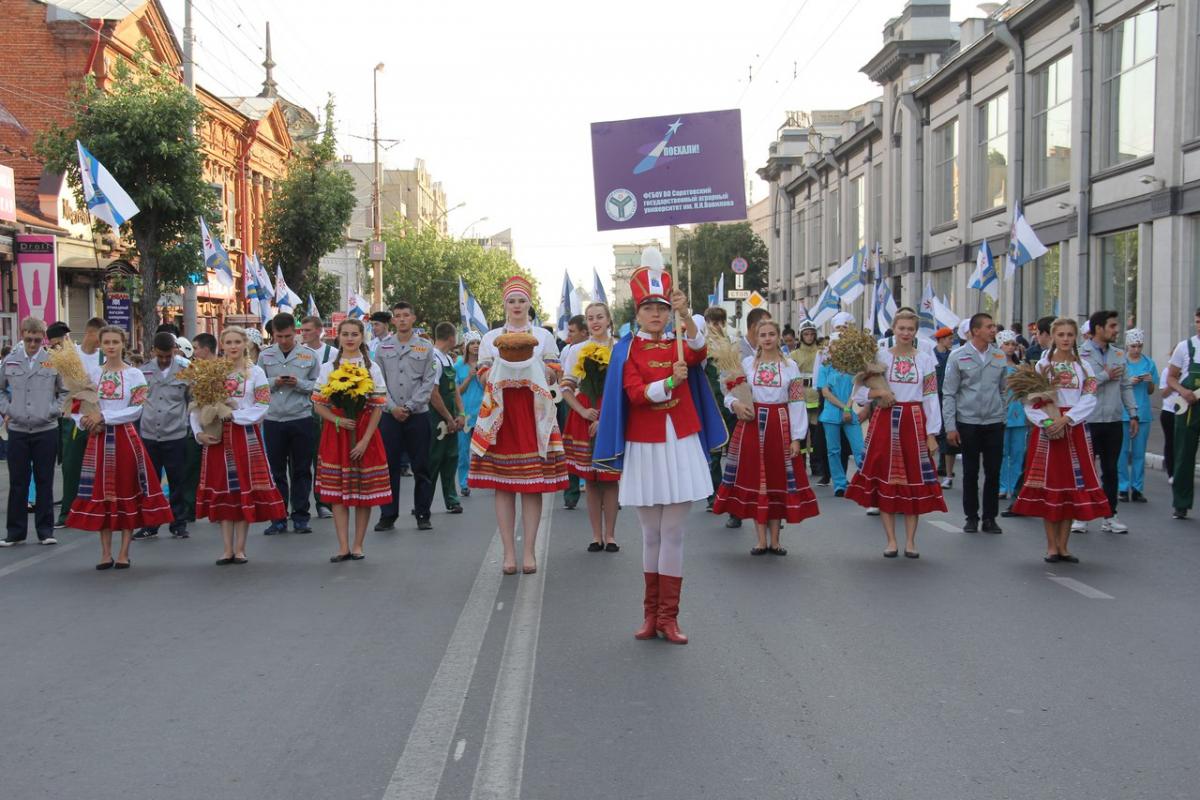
668	609
650	608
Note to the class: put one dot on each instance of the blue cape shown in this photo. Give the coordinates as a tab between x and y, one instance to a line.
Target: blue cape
608	451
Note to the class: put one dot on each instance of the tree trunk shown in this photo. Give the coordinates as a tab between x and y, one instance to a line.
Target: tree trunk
148	269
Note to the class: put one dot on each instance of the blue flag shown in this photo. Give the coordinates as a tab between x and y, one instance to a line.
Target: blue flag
104	196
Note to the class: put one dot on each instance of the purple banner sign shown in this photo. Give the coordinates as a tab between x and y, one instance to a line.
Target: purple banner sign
668	170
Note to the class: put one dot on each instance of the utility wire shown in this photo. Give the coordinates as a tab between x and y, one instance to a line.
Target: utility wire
763	61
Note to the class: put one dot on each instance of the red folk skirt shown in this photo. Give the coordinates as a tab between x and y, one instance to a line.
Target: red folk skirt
341	481
898	475
235	480
513	464
118	487
577	444
1060	478
762	481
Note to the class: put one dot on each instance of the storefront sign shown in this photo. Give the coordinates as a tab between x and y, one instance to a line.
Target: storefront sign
118	310
8	194
37	277
668	170
334	320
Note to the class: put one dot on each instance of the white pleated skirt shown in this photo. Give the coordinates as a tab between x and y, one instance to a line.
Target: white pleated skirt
662	473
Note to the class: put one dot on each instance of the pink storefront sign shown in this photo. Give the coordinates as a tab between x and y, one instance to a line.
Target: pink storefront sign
37	277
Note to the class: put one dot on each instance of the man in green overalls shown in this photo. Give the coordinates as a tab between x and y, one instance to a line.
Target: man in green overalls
1183	375
446	404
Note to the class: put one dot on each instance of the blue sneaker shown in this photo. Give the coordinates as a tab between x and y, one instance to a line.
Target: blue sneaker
301	526
276	527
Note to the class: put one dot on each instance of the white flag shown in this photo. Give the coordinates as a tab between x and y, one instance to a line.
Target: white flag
104	196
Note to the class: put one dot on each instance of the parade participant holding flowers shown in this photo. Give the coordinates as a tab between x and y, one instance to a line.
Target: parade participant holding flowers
765	478
117	489
584	372
1060	483
352	467
657	426
898	474
236	488
516	447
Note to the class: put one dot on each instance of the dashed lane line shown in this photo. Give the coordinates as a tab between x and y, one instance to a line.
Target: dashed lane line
50	552
1089	592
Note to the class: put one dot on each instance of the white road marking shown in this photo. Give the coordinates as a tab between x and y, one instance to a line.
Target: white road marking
459	749
500	606
418	773
946	526
49	551
1081	587
502	751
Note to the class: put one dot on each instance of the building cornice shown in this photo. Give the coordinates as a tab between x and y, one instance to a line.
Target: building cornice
898	54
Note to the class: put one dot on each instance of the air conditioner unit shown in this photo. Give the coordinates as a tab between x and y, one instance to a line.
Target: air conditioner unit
235	243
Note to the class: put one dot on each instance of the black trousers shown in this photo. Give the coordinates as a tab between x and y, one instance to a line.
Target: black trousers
1106	442
986	441
818	455
171	457
1167	420
31	455
412	438
290	446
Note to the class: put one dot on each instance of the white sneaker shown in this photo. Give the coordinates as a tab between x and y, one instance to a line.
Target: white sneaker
872	512
7	543
947	483
1079	527
1114	525
49	540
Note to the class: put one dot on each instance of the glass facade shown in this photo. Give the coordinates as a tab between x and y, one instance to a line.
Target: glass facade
858	213
944	191
1046	281
834	211
1119	275
1050	154
1130	51
992	153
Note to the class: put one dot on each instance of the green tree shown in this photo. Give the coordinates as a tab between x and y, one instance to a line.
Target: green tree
309	211
328	296
143	130
423	268
710	249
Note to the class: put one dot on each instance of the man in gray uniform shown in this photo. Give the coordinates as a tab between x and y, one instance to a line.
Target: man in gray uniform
1114	393
166	430
411	373
973	413
289	429
31	400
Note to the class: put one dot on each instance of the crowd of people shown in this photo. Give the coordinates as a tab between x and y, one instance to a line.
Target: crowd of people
645	422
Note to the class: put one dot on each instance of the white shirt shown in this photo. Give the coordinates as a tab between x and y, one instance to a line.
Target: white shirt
912	379
376	373
570	357
546	348
1179	358
249	395
1076	391
773	383
122	394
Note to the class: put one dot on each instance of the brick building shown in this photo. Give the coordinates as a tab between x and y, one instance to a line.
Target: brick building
49	48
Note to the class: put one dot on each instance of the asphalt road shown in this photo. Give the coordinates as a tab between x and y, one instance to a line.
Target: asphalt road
977	671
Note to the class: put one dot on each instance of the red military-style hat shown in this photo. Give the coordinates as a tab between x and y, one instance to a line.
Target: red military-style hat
650	283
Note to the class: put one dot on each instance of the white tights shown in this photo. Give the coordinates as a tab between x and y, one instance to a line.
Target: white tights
662	538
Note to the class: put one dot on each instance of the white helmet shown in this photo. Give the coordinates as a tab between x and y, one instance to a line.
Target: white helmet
185	347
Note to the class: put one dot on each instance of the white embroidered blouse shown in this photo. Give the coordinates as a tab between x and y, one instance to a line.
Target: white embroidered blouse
775	382
1076	390
912	379
546	349
122	394
249	394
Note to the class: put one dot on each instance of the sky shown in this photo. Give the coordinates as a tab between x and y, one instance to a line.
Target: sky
498	98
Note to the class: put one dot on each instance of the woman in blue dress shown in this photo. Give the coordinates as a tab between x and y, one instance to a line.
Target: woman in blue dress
1131	466
471	390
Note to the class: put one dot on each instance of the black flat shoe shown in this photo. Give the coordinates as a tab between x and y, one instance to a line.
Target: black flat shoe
224	562
386	524
890	553
240	560
777	551
122	564
1053	558
758	551
612	547
911	554
595	547
1070	559
339	558
105	564
357	556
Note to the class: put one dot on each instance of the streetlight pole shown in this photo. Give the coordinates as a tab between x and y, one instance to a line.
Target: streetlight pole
472	225
377	249
190	298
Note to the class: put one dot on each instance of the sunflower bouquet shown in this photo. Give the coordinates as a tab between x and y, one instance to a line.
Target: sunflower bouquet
208	379
1029	385
64	359
591	367
348	389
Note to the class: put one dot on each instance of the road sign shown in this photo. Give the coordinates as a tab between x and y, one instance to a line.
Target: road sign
738	281
739	265
738	294
755	300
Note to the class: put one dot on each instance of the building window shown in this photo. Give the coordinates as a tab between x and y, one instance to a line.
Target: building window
1050	159
1195	304
943	284
1046	272
800	246
834	209
816	236
1130	49
876	204
1119	275
897	186
858	212
993	152
945	174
